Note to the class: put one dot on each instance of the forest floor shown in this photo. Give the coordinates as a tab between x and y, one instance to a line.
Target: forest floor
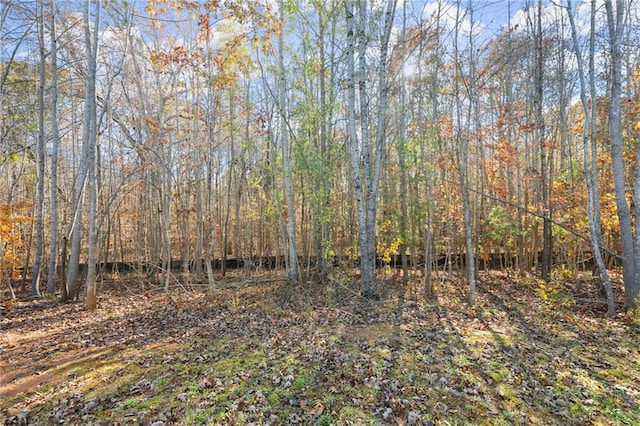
264	352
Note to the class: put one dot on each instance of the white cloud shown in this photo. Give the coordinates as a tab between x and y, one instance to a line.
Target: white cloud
451	16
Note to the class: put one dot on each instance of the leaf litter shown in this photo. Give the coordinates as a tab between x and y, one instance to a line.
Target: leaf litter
270	353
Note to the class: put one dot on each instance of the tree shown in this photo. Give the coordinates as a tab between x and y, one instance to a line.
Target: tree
286	154
590	171
402	148
40	158
547	237
55	142
366	170
90	135
463	136
630	245
76	224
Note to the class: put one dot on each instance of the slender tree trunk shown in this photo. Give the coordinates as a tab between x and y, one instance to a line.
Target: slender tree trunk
433	131
366	266
53	250
594	226
211	282
540	132
91	44
292	273
165	214
323	182
227	212
630	245
402	154
76	226
40	159
211	183
92	254
593	94
366	171
462	149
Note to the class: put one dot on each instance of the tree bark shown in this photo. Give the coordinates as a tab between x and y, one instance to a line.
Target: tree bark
541	138
630	244
40	159
402	154
591	179
53	226
292	273
366	172
91	44
463	136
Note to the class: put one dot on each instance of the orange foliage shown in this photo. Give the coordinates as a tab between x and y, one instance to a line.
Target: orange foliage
14	220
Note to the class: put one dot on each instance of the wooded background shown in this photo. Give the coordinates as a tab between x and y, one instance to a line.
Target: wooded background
428	135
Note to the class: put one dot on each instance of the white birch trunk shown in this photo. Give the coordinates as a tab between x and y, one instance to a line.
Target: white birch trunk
366	172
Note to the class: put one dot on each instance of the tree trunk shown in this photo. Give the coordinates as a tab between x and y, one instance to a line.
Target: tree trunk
91	44
40	160
540	132
462	149
402	155
630	247
292	273
366	171
591	180
53	250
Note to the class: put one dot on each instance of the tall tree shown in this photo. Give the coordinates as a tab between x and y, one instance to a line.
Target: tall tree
91	46
366	170
630	244
76	224
465	99
55	142
590	171
538	100
292	274
40	156
402	148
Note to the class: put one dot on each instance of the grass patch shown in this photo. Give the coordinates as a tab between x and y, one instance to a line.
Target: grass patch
617	373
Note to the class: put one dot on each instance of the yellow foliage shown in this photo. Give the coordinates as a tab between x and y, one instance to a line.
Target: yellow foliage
12	225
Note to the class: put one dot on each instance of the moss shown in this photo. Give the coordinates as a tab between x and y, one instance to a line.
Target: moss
617	373
273	398
509	394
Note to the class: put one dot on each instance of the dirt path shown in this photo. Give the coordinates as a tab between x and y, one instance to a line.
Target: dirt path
19	376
